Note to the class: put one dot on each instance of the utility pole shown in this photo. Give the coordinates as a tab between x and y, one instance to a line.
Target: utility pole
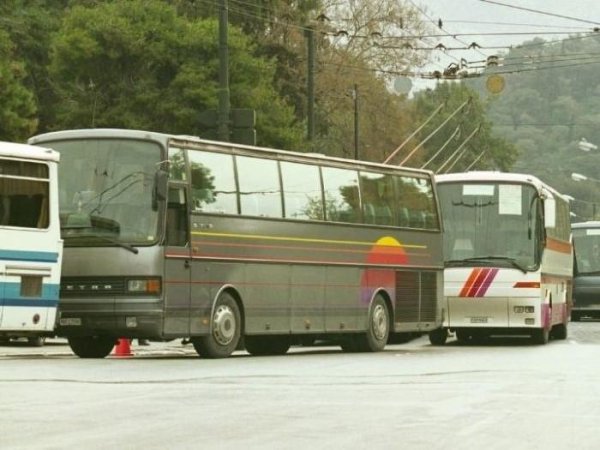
310	83
223	112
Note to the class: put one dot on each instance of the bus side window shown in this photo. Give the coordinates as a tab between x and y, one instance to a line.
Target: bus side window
177	217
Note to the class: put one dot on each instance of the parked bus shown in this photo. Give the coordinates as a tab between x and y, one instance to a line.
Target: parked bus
508	257
223	244
586	282
31	248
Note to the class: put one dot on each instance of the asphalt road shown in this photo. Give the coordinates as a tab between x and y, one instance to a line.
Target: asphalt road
506	394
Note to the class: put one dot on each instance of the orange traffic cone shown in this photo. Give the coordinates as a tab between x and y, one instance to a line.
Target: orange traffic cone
123	348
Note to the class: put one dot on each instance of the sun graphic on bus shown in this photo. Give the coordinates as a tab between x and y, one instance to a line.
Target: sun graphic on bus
387	251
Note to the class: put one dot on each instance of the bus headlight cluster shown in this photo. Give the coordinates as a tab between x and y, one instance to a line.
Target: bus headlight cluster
524	309
144	286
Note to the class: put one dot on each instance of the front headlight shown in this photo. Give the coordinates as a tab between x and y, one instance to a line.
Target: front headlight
144	286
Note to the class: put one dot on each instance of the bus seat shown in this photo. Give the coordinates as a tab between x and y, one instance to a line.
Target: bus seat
403	219
383	215
368	213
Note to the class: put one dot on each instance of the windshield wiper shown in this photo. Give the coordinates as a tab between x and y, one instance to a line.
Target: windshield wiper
124	245
513	262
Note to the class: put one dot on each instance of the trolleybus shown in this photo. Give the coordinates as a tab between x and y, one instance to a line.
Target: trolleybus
31	247
227	245
586	281
508	257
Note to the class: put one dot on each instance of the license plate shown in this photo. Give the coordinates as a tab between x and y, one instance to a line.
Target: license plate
479	319
70	321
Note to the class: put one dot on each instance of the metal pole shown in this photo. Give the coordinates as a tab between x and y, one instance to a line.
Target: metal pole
310	84
356	121
413	133
434	131
223	112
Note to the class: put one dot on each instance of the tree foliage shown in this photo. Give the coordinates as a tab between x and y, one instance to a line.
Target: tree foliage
138	64
459	136
550	102
17	105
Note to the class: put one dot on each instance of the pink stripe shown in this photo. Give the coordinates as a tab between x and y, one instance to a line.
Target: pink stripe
483	273
485	284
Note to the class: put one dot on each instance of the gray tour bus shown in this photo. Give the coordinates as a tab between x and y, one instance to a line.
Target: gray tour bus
227	245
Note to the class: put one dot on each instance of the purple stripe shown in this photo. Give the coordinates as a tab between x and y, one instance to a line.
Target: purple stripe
483	287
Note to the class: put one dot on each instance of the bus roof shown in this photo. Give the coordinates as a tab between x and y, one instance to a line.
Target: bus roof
164	138
14	150
483	176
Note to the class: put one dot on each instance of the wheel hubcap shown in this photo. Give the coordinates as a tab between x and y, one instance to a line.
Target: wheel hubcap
380	322
224	325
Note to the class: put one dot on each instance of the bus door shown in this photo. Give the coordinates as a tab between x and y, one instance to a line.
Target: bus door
178	262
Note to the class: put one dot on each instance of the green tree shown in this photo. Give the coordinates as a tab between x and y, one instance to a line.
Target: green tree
30	23
451	148
138	64
17	105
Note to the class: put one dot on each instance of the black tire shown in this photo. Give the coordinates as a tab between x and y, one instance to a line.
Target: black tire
438	336
267	345
92	346
349	343
378	328
36	341
541	336
225	330
560	331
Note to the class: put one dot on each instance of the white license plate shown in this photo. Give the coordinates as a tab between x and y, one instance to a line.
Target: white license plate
70	322
479	319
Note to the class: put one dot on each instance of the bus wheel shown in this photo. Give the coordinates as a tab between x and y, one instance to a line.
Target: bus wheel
541	336
560	331
91	346
225	330
267	345
378	328
438	336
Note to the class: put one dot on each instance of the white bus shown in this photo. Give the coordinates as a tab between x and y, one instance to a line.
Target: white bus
508	257
31	246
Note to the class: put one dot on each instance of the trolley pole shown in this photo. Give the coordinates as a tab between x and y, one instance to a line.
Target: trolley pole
355	121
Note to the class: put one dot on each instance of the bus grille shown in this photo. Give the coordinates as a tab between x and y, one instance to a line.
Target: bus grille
416	296
91	287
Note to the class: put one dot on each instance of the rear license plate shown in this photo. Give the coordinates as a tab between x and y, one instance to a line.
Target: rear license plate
70	322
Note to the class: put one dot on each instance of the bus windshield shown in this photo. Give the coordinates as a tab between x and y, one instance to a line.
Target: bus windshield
106	190
587	250
490	223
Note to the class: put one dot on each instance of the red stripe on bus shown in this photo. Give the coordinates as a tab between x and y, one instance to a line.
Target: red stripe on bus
479	280
469	282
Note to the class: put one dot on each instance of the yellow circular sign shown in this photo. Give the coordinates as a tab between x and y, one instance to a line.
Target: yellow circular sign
495	84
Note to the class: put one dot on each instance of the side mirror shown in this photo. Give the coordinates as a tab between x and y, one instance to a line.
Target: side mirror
159	193
550	213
